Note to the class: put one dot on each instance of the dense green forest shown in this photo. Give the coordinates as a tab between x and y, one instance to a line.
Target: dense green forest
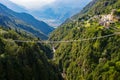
94	59
24	61
92	54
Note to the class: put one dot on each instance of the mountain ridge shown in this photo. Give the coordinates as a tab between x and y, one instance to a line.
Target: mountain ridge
39	28
92	58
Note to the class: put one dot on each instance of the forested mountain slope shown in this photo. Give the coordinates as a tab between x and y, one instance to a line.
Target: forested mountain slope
24	61
23	21
95	55
96	7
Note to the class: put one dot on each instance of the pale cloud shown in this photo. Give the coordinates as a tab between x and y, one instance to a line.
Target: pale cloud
35	5
32	4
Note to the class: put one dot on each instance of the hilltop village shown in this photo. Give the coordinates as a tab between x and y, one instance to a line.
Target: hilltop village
108	19
105	20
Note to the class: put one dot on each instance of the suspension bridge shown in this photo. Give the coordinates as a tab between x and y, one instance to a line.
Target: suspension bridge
65	41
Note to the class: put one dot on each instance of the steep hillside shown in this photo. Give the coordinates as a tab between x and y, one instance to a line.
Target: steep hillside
20	26
82	12
96	7
23	21
24	61
40	25
85	9
92	50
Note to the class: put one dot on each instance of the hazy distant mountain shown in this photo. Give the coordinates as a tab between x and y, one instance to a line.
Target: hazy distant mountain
57	16
24	21
55	13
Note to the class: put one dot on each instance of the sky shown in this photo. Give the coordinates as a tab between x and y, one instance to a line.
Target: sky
33	4
43	9
40	4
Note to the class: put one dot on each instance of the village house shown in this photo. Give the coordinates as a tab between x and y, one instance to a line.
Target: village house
106	20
